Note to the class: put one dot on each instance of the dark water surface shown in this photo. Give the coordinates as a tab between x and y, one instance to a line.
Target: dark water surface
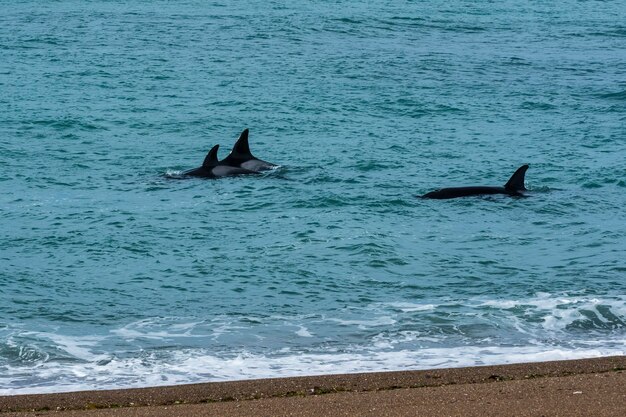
113	275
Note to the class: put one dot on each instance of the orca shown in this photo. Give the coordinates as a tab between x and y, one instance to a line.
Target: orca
513	188
213	168
241	157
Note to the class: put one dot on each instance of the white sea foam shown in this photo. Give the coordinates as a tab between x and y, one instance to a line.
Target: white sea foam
77	347
193	366
502	304
543	301
303	332
410	307
364	324
558	311
404	339
158	329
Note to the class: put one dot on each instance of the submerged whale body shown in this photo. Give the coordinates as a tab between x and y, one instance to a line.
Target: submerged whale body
513	187
213	168
240	156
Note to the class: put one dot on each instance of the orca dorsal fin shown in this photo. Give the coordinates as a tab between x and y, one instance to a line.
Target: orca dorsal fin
516	182
241	148
211	158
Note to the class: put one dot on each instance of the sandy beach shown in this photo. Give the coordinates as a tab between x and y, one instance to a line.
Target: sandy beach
561	388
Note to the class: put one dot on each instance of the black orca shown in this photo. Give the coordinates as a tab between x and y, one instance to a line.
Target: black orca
513	187
212	168
241	156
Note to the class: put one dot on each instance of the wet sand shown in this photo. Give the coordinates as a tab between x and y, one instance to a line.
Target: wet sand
588	387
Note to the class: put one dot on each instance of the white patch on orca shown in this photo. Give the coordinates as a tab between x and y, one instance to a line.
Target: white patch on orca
255	165
223	171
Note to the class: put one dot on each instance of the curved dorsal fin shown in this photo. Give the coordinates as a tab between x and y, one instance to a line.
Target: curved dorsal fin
241	147
516	182
211	158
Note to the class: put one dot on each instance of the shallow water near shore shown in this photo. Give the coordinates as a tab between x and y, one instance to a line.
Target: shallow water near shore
113	275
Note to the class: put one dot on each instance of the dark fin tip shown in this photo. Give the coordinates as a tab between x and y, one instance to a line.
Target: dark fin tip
211	158
516	182
241	147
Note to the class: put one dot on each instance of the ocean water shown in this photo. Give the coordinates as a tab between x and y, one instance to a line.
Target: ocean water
114	275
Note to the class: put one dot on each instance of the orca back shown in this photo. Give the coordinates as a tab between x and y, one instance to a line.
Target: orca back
455	192
241	156
513	188
213	168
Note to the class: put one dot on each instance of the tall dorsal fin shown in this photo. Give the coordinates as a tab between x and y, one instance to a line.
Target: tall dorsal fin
211	158
241	148
516	182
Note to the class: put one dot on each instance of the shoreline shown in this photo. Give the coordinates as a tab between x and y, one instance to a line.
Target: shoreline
231	395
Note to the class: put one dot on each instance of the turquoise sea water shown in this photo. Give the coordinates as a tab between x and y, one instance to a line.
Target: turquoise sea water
113	275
